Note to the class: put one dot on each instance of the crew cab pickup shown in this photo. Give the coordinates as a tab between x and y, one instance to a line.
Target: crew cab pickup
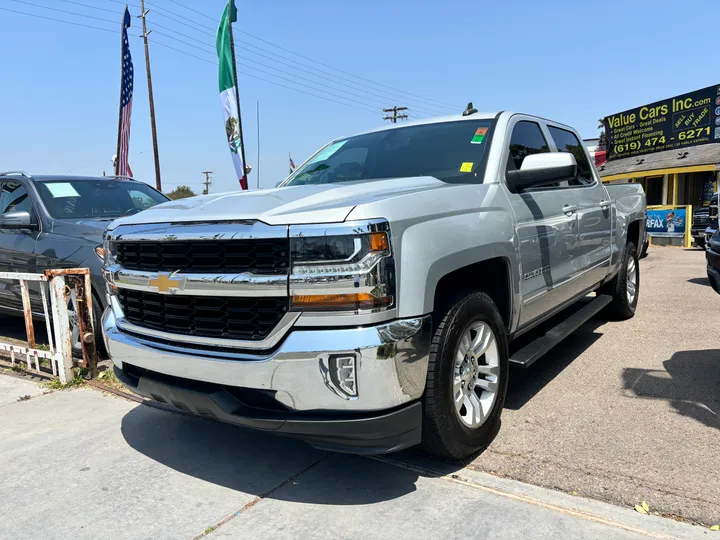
373	300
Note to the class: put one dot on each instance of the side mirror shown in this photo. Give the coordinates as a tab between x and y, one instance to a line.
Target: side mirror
16	220
539	169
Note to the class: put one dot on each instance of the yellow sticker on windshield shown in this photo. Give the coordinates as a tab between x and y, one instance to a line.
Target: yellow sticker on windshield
466	166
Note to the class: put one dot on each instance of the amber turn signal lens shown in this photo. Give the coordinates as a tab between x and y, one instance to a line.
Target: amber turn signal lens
340	301
379	242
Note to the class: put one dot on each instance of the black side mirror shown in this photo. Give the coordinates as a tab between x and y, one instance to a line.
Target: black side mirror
539	169
16	220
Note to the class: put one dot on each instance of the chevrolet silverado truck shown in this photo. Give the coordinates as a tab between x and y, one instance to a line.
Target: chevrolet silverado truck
374	300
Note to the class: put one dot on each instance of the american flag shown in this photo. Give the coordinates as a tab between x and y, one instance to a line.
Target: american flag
292	164
122	167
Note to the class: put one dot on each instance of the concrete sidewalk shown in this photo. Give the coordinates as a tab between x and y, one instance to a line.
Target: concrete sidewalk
80	464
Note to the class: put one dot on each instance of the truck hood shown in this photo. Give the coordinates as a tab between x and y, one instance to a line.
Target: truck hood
327	203
87	229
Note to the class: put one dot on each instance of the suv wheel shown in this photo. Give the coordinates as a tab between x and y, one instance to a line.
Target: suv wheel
467	379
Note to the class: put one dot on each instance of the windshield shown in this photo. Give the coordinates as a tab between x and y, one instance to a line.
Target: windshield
96	199
449	151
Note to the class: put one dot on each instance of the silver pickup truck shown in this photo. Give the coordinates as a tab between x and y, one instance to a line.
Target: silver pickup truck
373	300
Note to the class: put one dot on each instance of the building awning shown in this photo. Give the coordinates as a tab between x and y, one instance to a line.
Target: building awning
705	157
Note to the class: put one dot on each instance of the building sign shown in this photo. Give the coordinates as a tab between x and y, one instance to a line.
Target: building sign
675	123
666	222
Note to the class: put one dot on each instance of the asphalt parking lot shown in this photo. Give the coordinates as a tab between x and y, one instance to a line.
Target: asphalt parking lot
627	411
621	412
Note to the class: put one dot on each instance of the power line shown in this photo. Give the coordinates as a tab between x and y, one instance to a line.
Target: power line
65	11
316	61
363	106
161	44
294	75
58	20
382	96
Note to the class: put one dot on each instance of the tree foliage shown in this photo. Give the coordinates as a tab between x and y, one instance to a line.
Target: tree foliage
181	192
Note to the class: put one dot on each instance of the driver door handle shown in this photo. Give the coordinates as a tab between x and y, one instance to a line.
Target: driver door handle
569	209
604	205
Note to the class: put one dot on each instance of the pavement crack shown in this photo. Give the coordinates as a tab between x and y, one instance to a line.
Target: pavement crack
262	496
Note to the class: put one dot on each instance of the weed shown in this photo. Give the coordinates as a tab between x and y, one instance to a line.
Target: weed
208	530
55	384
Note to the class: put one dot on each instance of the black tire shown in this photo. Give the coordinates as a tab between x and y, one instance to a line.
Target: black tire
644	251
443	433
622	307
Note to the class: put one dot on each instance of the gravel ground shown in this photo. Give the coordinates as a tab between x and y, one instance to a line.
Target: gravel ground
627	411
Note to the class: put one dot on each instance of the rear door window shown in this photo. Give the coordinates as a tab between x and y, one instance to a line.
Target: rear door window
566	141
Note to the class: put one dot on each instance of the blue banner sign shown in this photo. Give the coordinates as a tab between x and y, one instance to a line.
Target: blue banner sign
669	222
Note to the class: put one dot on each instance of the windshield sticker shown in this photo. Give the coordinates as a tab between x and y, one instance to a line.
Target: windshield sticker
61	189
467	166
327	152
479	135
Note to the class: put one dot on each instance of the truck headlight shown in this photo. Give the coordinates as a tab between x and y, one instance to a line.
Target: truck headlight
341	272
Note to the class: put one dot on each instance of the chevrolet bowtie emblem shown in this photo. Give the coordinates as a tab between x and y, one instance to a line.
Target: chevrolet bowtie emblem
164	283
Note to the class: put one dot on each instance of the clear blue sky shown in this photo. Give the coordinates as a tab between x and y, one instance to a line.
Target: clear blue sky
573	61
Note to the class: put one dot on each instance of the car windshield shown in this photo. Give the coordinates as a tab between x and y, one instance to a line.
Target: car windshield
449	151
96	199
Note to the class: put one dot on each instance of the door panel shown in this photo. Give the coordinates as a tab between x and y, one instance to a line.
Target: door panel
547	236
17	248
593	213
546	229
594	235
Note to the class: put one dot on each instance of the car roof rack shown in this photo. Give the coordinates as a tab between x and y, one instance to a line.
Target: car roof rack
15	173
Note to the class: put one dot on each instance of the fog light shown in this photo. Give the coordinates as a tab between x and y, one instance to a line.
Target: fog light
341	375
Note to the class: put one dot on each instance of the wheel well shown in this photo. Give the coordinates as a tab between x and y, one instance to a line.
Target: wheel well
634	234
491	277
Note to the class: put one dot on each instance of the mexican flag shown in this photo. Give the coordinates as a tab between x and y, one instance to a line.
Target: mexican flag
228	95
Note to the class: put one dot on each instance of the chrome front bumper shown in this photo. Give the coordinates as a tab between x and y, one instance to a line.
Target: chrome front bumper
390	364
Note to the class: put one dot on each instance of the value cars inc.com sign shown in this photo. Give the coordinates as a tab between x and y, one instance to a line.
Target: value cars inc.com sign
678	122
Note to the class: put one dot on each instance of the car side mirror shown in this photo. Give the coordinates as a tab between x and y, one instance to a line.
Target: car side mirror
540	169
16	220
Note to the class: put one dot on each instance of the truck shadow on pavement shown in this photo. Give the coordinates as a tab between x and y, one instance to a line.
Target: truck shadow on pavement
261	464
524	384
700	281
690	382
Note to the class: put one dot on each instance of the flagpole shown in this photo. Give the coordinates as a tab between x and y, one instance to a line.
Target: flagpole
237	92
117	151
257	166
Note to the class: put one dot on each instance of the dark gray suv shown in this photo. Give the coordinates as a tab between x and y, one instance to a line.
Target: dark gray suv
49	222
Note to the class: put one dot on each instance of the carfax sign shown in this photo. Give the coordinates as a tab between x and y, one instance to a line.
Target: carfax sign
666	222
674	123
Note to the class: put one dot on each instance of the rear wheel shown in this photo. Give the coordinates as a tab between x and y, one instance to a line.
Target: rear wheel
625	287
467	379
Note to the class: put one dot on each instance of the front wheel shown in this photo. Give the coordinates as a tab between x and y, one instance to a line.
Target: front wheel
467	379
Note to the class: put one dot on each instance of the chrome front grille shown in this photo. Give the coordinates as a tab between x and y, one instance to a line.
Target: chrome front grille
209	284
265	256
207	316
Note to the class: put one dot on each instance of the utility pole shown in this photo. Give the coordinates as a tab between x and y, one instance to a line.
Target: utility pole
207	182
395	116
145	34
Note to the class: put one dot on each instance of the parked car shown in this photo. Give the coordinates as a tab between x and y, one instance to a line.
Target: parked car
51	222
713	261
369	303
700	222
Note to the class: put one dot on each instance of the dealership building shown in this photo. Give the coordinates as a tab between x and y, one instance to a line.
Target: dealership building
671	147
